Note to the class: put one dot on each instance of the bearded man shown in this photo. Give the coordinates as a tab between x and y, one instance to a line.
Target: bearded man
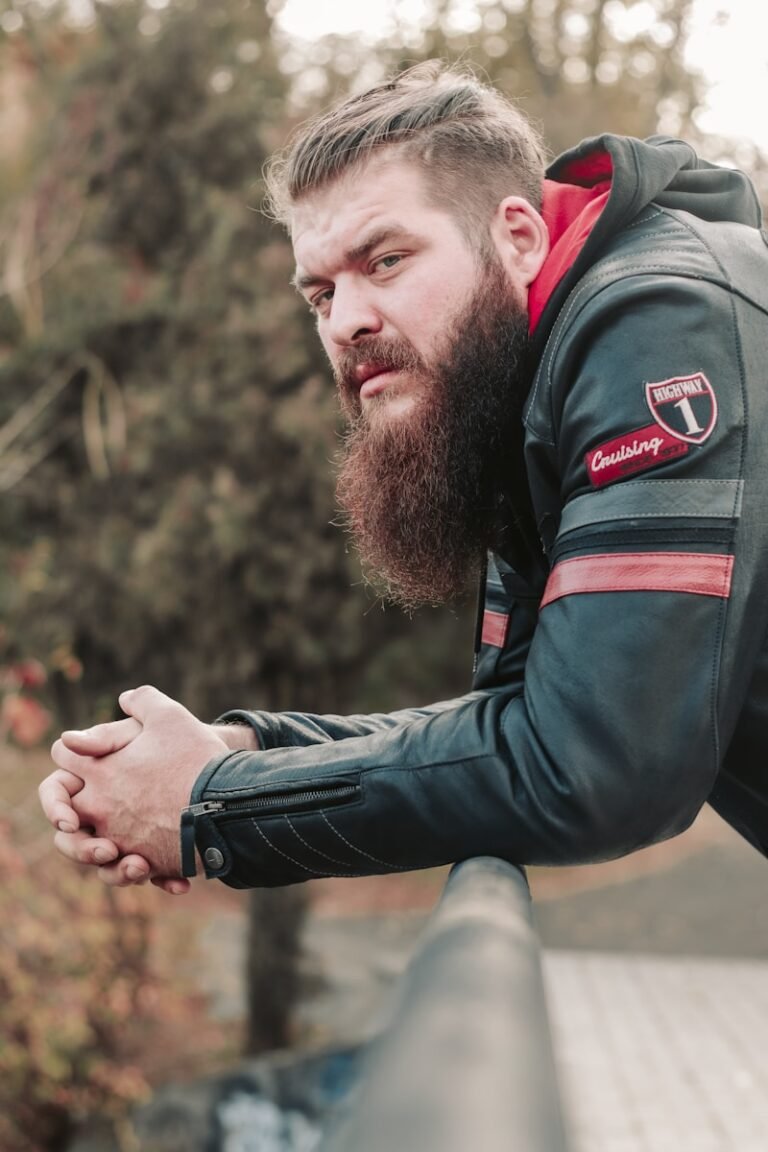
556	380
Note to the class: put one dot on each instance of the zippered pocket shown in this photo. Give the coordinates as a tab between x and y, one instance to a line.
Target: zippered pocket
284	800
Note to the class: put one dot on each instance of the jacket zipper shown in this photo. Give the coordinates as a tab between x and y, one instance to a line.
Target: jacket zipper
209	807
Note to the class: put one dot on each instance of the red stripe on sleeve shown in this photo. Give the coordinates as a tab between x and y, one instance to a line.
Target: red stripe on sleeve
495	628
703	574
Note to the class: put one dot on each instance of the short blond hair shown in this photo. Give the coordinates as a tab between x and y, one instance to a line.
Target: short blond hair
474	146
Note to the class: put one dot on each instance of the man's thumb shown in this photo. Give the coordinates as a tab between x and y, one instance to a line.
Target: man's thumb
102	739
140	702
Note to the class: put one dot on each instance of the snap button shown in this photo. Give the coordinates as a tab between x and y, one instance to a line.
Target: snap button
214	858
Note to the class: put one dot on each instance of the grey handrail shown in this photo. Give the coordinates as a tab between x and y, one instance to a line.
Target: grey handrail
466	1064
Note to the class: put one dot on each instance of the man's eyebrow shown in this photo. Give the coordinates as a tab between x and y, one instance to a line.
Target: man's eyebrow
355	255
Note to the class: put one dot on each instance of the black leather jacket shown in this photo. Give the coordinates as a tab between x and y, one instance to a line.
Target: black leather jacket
623	677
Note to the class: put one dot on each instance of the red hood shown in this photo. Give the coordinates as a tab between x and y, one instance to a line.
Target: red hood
570	213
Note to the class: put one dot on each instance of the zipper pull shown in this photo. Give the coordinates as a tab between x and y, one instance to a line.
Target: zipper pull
188	817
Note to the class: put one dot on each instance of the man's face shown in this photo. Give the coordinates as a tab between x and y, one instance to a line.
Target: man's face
427	340
385	271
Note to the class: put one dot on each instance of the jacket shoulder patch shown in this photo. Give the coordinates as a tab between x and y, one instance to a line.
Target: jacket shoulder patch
684	406
635	451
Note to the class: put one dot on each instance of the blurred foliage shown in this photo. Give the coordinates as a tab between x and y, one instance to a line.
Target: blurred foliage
24	721
78	1001
166	419
81	1005
167	431
577	67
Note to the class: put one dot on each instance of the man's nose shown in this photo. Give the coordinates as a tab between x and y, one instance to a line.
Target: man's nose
352	316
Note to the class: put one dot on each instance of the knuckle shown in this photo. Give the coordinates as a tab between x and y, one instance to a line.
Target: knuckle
144	689
59	753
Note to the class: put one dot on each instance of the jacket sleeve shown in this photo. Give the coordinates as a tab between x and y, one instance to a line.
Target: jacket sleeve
604	735
303	729
497	663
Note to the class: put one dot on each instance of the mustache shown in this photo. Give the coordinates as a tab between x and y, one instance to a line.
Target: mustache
393	354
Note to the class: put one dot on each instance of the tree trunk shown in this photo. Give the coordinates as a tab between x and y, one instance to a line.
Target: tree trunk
275	920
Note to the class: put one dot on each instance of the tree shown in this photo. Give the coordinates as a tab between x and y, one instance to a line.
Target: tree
165	418
578	67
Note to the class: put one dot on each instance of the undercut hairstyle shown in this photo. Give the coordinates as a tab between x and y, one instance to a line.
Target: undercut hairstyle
473	145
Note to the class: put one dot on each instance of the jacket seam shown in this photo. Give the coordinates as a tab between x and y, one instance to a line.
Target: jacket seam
718	653
630	271
593	286
644	219
673	515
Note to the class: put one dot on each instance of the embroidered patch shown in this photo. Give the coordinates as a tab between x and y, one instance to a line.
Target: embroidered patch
685	407
633	452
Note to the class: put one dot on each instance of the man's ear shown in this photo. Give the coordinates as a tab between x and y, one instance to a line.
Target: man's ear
521	239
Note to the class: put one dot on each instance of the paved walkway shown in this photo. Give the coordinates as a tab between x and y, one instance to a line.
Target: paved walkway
660	1054
658	1050
655	1053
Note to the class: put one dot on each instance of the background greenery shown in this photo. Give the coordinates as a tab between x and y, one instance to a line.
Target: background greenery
166	416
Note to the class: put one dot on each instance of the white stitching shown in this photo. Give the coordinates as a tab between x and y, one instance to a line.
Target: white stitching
325	855
643	220
394	867
290	858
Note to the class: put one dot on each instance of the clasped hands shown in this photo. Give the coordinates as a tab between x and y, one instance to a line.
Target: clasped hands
116	796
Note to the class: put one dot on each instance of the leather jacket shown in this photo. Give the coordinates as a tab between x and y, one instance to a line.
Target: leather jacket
622	678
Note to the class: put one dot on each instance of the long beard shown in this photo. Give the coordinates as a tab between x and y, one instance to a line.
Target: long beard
419	494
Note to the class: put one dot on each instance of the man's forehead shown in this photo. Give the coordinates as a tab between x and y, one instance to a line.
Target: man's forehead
383	192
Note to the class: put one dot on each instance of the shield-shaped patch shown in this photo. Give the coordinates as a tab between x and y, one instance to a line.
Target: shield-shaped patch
684	406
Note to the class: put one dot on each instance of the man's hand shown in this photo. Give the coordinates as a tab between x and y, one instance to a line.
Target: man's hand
120	787
81	844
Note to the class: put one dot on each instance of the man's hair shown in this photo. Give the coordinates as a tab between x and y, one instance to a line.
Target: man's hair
473	145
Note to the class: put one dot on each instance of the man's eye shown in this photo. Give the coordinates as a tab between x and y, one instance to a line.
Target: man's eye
386	261
321	301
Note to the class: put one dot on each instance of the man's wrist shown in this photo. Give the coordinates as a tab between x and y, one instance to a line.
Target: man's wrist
237	737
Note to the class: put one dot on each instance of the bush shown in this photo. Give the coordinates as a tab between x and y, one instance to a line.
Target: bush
76	998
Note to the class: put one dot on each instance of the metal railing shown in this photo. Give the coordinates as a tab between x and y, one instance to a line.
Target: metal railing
466	1064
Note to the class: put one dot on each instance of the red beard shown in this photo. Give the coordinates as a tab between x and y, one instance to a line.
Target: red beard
420	493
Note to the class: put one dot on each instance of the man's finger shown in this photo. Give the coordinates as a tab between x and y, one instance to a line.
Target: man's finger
102	739
125	872
56	793
173	885
84	848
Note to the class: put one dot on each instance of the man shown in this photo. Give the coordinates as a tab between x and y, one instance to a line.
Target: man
569	374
